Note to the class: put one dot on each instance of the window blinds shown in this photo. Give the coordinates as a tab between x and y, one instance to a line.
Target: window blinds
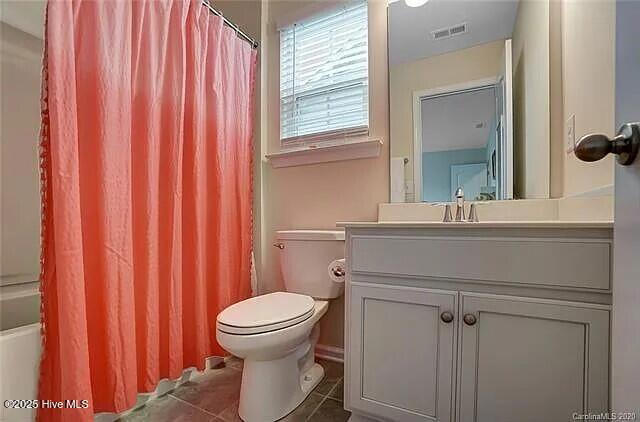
324	72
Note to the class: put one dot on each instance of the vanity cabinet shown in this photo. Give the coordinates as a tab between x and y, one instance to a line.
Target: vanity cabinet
531	360
427	340
405	349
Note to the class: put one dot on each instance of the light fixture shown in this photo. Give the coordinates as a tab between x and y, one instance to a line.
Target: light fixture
415	3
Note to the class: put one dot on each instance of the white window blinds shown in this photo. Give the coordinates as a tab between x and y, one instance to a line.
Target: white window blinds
324	90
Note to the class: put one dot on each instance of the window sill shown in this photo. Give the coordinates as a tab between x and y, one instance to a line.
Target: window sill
324	154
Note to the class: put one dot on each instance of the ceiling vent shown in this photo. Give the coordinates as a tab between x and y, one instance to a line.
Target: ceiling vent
449	32
441	33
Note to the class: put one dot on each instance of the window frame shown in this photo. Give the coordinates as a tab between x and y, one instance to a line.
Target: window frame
333	137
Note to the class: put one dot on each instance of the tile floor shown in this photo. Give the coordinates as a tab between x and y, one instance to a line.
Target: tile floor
213	397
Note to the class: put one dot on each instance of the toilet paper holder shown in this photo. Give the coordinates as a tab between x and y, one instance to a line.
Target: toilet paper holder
339	272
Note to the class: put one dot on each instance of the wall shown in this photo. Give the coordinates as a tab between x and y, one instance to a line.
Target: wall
317	196
436	171
588	79
478	62
20	63
531	115
556	125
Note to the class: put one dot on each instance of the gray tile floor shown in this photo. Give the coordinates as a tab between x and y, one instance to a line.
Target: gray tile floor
213	397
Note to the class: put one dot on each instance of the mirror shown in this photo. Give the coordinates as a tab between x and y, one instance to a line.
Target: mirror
462	77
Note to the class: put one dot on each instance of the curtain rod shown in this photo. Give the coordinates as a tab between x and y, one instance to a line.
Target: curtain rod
240	32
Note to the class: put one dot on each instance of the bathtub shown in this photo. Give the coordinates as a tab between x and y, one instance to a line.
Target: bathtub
19	348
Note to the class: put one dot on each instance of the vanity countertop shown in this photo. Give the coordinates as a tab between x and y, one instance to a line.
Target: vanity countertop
482	224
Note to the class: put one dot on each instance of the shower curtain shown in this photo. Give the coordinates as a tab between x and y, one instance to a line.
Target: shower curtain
146	157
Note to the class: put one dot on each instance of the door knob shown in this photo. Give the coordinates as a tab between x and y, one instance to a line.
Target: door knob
469	319
625	145
446	316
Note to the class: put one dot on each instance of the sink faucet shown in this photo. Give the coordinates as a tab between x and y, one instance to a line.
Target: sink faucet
460	214
459	195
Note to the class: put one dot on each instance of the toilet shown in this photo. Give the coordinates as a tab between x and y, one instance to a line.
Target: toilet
276	333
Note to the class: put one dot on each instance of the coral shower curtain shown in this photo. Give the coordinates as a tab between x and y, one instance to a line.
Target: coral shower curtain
146	163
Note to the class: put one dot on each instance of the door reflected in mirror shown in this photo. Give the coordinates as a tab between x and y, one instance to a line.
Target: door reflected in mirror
460	142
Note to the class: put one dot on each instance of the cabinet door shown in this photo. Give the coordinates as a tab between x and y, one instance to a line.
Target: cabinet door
531	360
402	352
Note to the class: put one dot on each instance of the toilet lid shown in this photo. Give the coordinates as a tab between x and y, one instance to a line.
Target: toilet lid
265	313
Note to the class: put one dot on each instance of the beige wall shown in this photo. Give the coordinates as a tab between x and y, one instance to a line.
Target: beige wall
588	79
531	118
20	63
474	63
319	195
556	126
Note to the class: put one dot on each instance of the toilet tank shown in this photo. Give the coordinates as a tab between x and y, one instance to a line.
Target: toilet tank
304	258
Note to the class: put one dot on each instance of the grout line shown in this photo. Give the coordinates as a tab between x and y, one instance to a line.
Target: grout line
313	412
333	388
194	406
324	399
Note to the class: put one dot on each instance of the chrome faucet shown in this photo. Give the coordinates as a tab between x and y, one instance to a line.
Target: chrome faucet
460	212
473	214
459	204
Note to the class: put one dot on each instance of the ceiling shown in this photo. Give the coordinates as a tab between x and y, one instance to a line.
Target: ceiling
449	122
410	27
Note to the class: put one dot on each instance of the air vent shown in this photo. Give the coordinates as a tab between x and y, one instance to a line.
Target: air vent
458	29
442	33
449	32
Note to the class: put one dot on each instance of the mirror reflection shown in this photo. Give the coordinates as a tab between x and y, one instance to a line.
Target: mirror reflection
459	134
459	71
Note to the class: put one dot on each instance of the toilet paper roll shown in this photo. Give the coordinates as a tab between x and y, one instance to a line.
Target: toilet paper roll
337	270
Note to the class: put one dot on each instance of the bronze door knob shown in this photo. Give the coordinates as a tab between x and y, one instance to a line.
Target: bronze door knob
625	145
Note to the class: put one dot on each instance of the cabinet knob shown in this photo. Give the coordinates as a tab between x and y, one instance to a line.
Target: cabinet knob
469	319
446	316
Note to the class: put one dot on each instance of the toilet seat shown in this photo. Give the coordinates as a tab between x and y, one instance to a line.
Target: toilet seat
261	314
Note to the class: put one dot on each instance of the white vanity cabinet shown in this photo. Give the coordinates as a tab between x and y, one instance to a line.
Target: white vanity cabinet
531	360
405	352
488	323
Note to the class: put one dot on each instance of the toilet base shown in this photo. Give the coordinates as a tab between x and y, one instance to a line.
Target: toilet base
279	367
273	389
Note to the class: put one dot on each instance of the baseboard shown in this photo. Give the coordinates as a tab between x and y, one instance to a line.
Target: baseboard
333	353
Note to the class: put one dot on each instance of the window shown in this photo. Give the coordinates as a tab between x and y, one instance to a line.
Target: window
324	72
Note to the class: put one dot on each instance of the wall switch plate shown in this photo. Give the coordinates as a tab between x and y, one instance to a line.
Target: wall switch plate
570	134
